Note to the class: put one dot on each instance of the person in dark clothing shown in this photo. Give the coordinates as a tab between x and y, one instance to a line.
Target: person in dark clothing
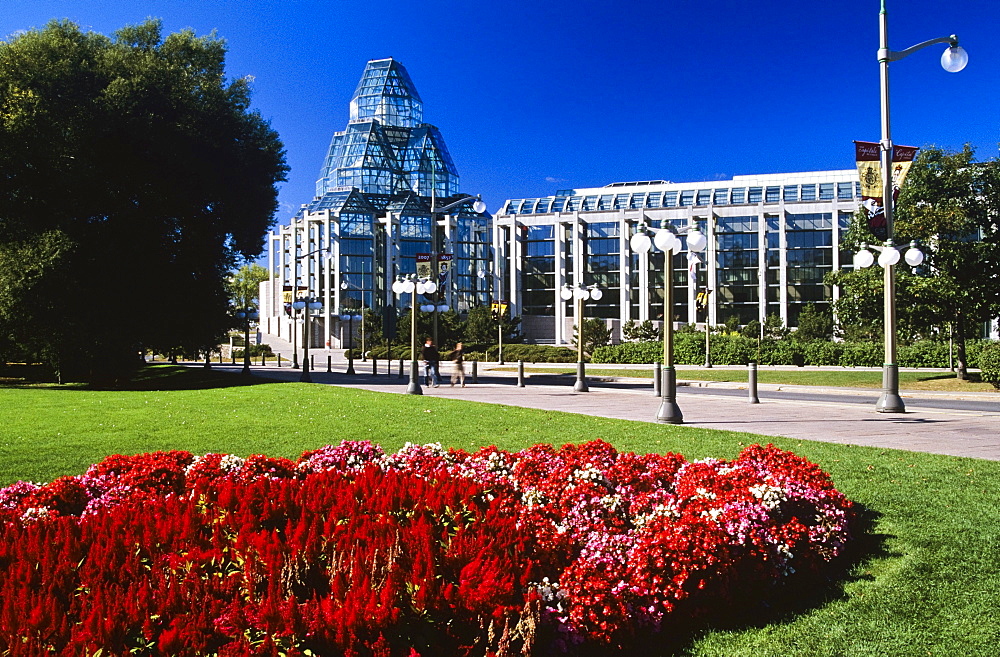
458	374
430	355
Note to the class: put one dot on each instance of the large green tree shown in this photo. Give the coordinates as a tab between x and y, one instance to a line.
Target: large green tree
949	203
244	285
135	176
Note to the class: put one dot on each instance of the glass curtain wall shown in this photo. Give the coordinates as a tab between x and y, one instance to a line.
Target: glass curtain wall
809	256
736	269
356	261
473	256
538	278
602	249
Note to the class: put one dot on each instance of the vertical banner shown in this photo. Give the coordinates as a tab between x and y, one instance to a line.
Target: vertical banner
867	156
424	265
444	267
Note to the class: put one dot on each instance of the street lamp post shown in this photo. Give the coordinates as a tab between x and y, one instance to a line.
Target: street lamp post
248	315
580	293
665	240
953	60
306	304
413	286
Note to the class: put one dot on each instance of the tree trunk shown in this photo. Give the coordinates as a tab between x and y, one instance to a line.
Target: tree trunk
961	369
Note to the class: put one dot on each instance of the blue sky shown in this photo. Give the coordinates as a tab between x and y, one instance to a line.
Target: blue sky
534	96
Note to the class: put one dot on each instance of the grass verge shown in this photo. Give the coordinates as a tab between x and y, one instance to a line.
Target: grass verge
926	587
847	378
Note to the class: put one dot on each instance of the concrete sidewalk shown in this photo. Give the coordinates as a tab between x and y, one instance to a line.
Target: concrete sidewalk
924	429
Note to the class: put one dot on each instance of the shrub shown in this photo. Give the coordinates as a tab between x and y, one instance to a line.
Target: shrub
256	351
630	352
532	353
822	352
862	354
923	353
989	363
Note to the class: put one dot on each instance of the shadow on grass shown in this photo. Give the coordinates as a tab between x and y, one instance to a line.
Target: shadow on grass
800	595
155	378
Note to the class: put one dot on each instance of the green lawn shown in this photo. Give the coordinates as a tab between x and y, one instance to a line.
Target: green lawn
926	584
845	378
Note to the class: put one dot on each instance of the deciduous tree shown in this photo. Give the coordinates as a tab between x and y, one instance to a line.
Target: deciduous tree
135	176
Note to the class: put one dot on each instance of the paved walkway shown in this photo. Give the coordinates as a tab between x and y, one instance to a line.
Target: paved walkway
782	411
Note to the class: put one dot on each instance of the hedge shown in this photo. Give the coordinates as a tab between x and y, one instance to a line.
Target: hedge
689	349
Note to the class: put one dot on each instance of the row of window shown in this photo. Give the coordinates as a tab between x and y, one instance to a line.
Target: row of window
845	191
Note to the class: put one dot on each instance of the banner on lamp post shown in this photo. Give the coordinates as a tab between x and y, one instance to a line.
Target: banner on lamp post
424	267
444	266
868	157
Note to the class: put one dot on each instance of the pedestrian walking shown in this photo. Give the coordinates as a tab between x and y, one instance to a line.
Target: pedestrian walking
431	357
458	374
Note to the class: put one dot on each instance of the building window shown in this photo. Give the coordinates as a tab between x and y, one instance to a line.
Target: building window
756	195
739	195
653	199
703	196
808	192
772	195
791	193
687	198
721	197
845	191
826	191
670	199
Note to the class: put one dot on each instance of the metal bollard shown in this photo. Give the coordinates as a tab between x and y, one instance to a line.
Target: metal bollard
374	366
657	378
520	374
329	363
400	368
312	362
263	360
475	371
752	382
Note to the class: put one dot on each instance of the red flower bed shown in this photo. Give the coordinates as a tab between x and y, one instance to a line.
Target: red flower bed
350	551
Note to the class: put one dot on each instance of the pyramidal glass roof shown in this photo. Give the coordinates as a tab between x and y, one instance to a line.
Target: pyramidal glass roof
386	147
386	93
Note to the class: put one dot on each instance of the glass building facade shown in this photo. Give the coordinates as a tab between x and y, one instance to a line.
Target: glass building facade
772	239
376	213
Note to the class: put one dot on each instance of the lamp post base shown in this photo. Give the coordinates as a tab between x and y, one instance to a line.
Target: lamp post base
890	401
669	412
306	377
581	378
414	386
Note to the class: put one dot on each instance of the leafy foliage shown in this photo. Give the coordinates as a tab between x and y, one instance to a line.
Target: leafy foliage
244	285
134	174
596	333
989	364
644	331
814	324
949	203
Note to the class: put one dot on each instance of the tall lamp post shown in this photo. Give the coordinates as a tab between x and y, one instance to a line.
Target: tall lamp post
413	286
665	240
953	60
307	304
248	315
479	207
580	293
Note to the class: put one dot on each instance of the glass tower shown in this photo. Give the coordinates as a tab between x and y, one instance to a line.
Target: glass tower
376	214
